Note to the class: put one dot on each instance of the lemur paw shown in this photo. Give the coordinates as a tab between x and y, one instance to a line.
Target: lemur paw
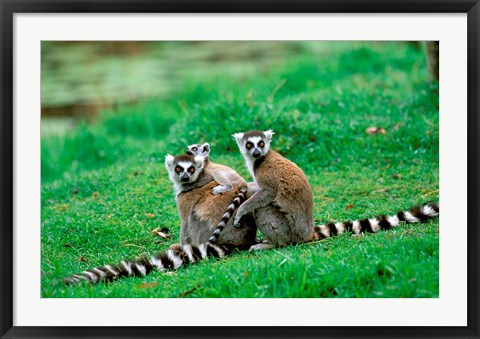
220	189
236	221
261	246
217	190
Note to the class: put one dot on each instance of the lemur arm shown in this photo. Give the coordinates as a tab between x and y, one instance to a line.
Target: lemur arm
199	183
261	198
252	188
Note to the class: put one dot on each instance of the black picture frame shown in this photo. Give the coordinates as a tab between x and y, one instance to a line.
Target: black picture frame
10	7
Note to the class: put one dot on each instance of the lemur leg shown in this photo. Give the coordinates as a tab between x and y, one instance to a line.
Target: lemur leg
185	233
260	199
279	228
224	184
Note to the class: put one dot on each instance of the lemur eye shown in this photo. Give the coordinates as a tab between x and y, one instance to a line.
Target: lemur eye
178	169
261	144
194	149
249	145
191	169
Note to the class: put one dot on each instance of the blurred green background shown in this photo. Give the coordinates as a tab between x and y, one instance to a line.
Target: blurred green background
80	79
105	96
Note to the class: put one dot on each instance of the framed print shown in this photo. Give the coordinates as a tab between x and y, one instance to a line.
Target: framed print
250	169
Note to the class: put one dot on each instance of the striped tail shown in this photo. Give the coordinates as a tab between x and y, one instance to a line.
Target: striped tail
239	199
416	214
171	259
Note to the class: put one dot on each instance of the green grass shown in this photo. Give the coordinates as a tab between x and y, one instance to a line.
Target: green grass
104	186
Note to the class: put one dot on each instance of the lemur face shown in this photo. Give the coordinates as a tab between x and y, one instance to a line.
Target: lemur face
254	144
184	169
199	149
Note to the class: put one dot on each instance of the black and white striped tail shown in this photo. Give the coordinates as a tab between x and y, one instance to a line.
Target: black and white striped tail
415	214
239	199
171	259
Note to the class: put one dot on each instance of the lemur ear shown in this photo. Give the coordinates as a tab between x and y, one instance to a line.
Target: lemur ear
199	160
188	152
238	138
205	148
269	134
169	160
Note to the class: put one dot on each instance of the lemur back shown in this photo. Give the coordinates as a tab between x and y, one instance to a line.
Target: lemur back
200	212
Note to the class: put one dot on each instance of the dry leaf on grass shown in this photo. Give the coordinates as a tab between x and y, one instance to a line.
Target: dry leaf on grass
190	291
381	190
147	285
349	206
163	235
162	232
375	130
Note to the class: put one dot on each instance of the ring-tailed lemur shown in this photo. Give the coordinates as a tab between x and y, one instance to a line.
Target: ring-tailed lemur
207	206
226	178
283	205
199	211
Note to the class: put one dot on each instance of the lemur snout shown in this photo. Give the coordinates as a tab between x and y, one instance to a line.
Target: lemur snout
256	153
184	177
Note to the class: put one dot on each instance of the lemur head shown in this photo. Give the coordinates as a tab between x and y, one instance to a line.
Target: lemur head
254	144
183	169
199	149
